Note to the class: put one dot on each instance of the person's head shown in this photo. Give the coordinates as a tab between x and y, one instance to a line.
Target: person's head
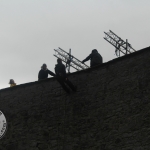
94	51
11	81
44	67
59	61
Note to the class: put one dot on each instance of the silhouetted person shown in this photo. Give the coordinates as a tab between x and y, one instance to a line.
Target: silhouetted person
12	83
43	73
60	71
95	57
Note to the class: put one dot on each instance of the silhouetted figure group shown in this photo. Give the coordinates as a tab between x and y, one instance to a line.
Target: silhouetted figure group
60	71
60	75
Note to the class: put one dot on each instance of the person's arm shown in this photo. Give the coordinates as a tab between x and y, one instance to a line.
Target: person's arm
102	59
51	73
86	59
56	72
39	75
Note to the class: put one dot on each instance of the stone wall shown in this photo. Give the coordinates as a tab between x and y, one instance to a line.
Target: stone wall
110	110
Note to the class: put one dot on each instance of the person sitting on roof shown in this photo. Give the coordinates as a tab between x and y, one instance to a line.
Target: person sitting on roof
43	73
12	83
62	78
95	57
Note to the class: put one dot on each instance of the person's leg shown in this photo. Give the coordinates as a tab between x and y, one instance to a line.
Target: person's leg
69	83
61	82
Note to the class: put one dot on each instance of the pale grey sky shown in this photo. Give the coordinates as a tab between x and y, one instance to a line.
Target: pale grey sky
31	29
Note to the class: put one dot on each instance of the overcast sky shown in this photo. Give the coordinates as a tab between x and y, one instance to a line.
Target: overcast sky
30	30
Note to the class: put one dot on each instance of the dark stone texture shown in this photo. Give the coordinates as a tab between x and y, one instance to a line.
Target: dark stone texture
109	111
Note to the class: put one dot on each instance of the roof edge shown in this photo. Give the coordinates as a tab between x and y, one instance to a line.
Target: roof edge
82	71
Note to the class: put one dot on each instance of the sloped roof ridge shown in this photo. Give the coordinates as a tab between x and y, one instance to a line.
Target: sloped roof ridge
86	70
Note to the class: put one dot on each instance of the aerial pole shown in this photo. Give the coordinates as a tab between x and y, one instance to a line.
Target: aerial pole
70	60
122	47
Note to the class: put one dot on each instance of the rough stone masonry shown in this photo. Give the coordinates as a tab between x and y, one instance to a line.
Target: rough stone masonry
110	110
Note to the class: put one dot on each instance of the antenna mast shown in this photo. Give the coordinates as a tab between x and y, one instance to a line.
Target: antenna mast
122	47
69	59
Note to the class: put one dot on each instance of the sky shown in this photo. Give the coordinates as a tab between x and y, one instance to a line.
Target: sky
30	30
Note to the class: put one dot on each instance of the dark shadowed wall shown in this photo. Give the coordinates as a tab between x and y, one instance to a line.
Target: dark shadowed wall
110	110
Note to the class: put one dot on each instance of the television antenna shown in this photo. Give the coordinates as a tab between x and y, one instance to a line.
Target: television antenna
122	47
70	60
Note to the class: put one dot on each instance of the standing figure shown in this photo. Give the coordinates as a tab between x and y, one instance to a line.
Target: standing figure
12	83
95	57
62	77
43	73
